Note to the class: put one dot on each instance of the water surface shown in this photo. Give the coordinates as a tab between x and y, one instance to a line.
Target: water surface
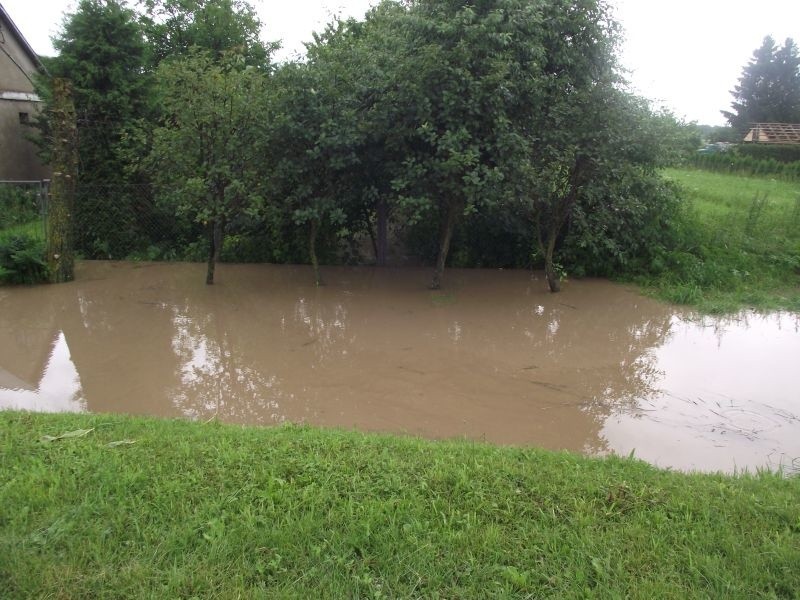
495	357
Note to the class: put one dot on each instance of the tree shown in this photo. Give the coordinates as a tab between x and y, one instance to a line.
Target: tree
206	153
313	140
101	52
769	88
175	27
451	84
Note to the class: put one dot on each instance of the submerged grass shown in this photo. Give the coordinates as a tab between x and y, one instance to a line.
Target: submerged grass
133	507
740	244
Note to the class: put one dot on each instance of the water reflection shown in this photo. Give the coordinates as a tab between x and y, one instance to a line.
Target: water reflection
726	396
215	379
596	369
58	389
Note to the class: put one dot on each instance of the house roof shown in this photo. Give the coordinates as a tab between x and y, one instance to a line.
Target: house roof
774	133
21	39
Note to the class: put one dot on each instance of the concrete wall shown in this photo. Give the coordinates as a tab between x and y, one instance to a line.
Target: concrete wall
18	158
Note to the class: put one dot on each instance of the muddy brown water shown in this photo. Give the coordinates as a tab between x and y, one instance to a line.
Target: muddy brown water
596	369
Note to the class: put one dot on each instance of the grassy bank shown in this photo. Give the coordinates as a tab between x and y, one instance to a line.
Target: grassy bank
194	510
740	244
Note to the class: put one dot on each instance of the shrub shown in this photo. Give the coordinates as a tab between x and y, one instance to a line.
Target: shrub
741	162
18	205
22	260
788	153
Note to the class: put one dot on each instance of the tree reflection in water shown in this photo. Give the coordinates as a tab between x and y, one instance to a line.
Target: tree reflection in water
594	369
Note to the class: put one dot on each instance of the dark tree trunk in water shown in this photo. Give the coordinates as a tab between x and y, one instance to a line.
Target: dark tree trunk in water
60	252
312	251
445	236
381	247
215	241
547	246
549	268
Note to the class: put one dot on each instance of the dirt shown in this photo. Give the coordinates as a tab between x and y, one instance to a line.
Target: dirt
493	356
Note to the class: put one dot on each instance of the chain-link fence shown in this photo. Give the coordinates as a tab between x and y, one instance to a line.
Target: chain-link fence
125	221
23	208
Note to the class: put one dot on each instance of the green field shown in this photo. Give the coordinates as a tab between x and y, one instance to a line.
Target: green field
739	244
191	510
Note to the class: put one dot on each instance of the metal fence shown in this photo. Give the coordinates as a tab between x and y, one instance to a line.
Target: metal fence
124	221
23	208
127	221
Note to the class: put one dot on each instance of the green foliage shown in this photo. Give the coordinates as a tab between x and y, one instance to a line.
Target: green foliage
178	27
194	510
435	120
210	135
22	259
769	88
744	164
783	153
101	51
737	244
18	205
626	229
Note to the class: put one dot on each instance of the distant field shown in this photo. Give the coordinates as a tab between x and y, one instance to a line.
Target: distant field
739	244
730	195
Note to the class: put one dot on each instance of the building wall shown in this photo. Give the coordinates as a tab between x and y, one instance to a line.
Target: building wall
18	159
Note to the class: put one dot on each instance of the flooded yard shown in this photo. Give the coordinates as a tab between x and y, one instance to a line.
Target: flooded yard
494	356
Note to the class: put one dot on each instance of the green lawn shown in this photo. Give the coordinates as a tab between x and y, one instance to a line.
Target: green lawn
740	244
213	511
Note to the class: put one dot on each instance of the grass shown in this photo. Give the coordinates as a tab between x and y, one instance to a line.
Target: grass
33	229
740	244
219	511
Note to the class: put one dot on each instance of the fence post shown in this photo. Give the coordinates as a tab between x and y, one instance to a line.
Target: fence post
60	247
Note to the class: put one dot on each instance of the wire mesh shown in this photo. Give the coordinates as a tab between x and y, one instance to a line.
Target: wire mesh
23	208
127	222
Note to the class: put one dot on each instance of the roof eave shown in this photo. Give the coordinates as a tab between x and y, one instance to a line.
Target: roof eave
23	42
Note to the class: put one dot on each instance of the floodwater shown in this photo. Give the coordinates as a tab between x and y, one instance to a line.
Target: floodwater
595	369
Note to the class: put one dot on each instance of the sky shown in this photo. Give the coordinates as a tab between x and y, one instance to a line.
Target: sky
685	55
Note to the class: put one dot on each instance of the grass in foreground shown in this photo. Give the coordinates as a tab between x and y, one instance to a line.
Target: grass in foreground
193	510
740	244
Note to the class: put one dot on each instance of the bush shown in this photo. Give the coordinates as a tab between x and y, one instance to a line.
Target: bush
18	205
739	161
627	228
782	153
22	260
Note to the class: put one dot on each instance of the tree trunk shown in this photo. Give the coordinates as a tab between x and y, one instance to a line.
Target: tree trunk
549	268
368	221
219	233
381	248
60	251
212	251
445	235
312	251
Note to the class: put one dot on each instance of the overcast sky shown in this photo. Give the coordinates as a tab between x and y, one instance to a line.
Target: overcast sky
685	54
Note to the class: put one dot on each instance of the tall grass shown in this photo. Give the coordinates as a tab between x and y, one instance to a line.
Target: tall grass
739	244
